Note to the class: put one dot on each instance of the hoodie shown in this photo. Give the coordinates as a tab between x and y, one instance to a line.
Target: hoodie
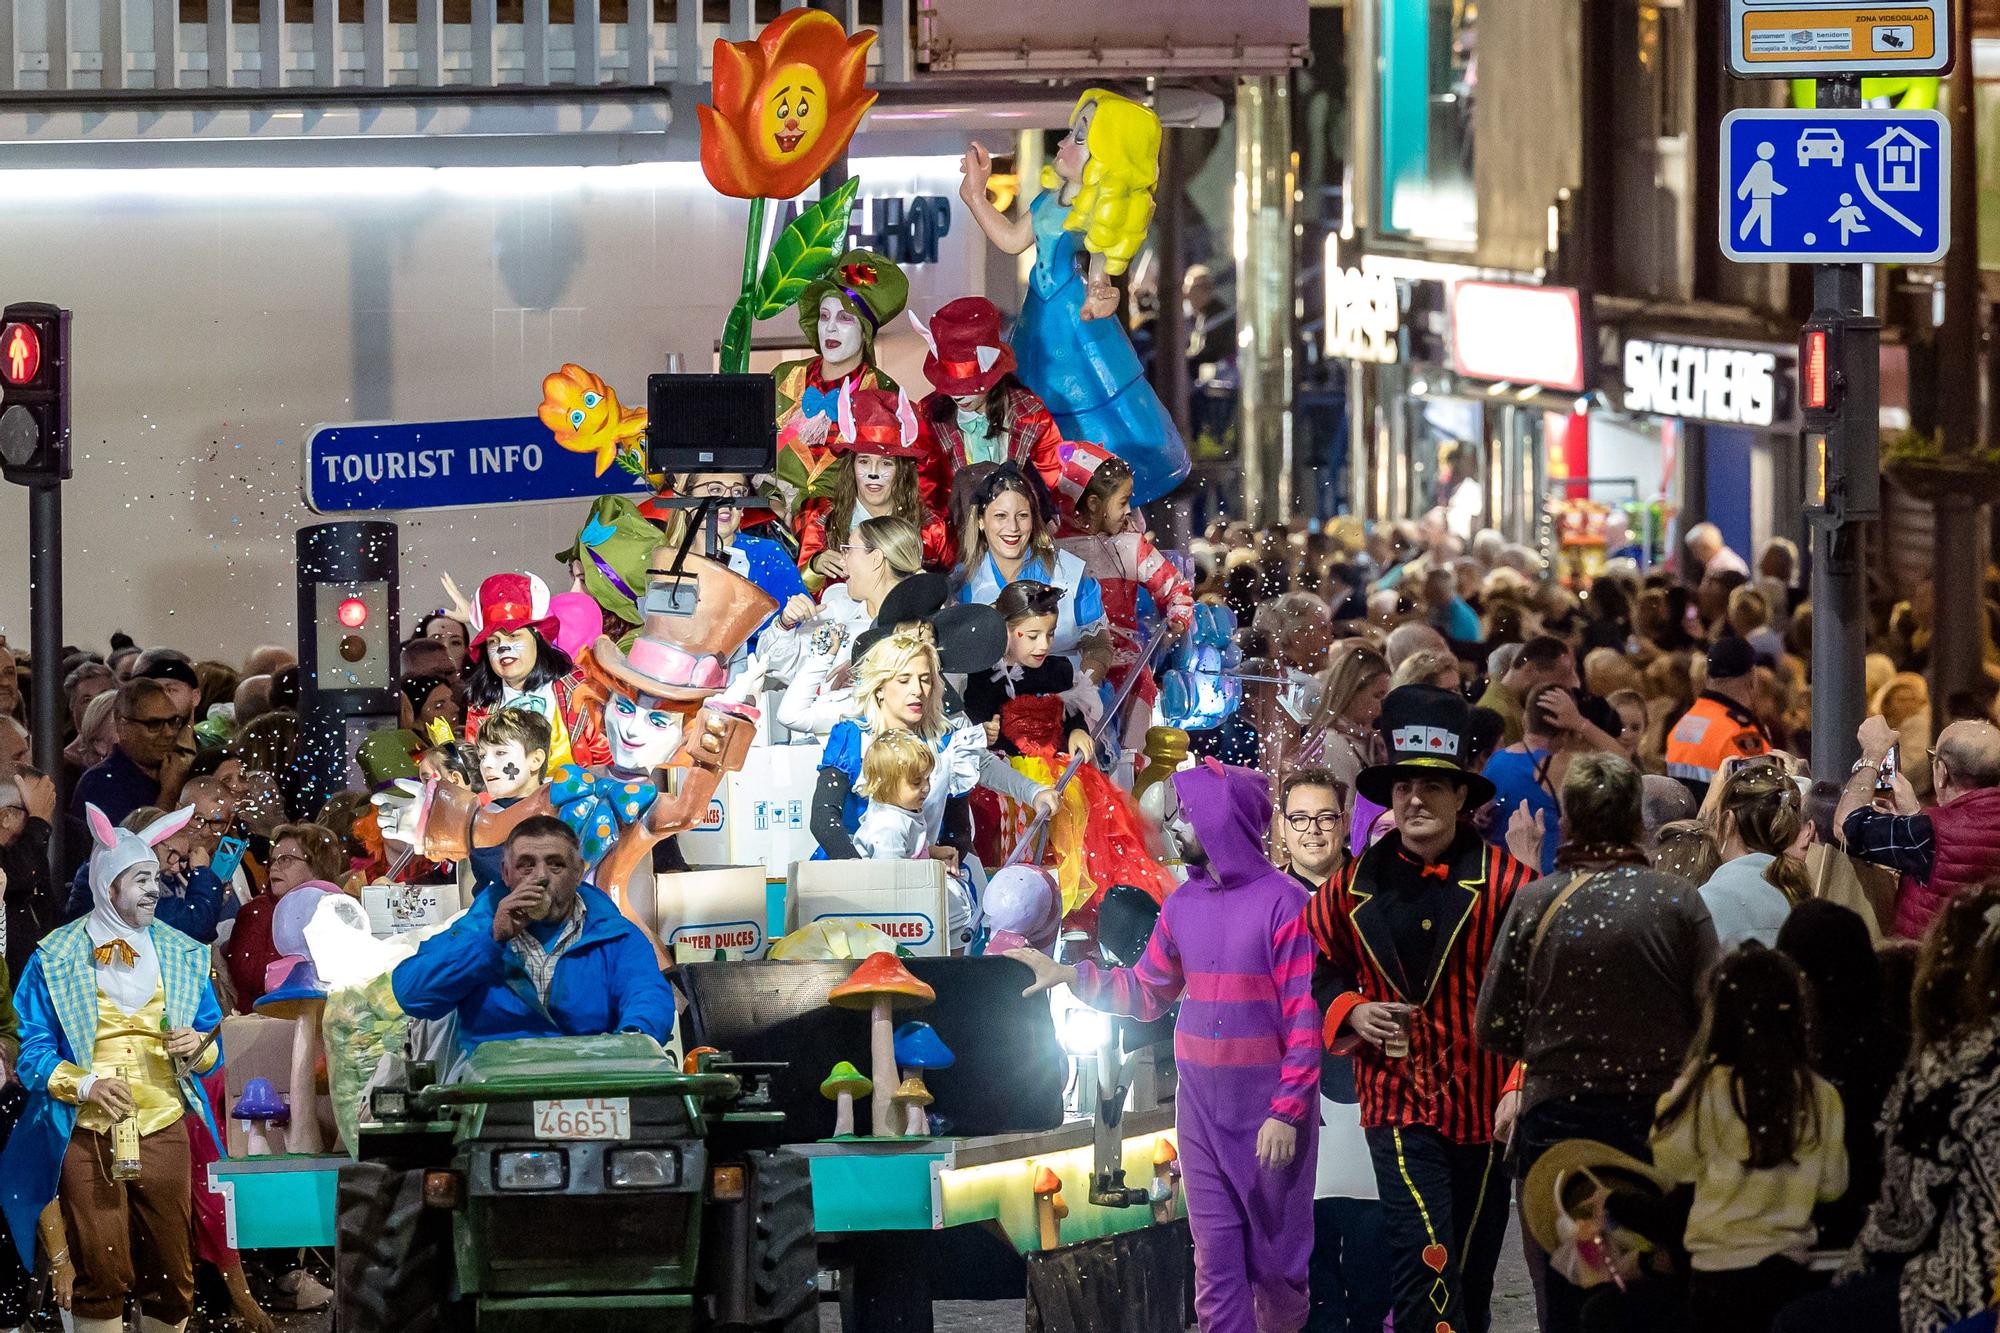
1231	948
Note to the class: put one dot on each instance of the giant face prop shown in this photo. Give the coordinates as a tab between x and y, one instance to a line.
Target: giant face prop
642	739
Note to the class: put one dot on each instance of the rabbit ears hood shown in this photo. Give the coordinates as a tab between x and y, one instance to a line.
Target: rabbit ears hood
114	850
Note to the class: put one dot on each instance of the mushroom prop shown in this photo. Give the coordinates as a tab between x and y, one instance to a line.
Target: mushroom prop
842	1086
1166	1170
260	1105
300	995
1048	1194
881	985
918	1048
1024	907
911	1099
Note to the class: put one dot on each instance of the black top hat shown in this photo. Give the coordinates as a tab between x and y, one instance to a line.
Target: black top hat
1428	731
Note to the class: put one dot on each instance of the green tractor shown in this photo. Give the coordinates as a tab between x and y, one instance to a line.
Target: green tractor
573	1178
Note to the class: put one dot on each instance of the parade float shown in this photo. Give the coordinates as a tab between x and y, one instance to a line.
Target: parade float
853	1089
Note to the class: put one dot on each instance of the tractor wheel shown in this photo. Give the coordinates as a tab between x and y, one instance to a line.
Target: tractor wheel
392	1256
784	1260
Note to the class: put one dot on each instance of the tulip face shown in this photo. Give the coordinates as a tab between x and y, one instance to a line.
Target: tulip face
784	106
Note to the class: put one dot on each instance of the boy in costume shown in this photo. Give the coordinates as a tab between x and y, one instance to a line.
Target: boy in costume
117	1017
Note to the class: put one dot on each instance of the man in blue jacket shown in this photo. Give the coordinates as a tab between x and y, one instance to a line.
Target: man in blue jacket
552	957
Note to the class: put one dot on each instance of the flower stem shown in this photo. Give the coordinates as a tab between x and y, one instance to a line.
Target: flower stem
736	334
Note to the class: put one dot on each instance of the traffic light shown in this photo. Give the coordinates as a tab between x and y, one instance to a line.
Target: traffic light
34	393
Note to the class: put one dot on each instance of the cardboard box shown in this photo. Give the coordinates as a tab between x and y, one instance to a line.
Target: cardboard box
905	900
761	814
715	910
397	909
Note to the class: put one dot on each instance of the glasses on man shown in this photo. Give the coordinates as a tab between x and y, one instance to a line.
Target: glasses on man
157	726
1326	821
720	490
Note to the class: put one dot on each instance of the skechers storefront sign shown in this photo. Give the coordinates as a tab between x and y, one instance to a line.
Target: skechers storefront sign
1732	386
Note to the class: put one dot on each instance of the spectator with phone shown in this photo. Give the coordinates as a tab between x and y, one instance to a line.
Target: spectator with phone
1941	851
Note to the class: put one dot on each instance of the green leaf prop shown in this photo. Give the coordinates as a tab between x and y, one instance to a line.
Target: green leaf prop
736	338
804	251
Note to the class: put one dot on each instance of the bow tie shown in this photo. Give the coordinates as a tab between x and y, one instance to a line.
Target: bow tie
1433	872
597	805
816	402
1009	674
117	953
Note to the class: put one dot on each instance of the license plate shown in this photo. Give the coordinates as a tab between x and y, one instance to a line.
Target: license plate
590	1118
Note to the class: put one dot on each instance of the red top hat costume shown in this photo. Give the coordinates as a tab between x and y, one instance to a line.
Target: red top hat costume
969	357
875	421
509	603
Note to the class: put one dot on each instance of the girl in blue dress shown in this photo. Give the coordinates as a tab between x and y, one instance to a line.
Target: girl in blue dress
1087	224
1006	537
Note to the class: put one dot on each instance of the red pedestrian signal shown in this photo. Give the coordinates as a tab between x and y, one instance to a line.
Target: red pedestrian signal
20	354
353	613
1812	374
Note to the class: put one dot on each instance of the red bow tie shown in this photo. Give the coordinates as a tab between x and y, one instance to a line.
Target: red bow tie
1433	872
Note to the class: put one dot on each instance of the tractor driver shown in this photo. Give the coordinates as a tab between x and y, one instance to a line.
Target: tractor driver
549	957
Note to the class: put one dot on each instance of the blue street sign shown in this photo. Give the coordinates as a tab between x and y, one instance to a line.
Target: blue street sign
1836	187
447	465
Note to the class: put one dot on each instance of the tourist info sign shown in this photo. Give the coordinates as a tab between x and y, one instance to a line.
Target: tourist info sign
1782	38
1836	187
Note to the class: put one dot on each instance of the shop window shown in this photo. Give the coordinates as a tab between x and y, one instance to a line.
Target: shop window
1430	75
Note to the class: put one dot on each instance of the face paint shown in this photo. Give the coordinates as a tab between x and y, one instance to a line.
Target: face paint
135	895
506	770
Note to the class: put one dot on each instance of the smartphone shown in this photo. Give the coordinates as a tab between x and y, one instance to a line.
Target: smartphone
228	856
1885	776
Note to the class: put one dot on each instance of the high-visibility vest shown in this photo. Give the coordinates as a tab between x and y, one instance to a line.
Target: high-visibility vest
1708	735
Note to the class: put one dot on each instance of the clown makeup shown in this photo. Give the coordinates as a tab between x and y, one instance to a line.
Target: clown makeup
904	695
135	894
840	340
511	654
1009	524
1075	150
874	479
1029	640
642	739
509	771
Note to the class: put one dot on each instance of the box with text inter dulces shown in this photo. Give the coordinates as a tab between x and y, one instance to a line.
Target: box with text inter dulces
905	900
713	912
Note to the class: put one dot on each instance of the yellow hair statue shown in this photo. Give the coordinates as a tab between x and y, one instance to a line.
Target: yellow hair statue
1114	201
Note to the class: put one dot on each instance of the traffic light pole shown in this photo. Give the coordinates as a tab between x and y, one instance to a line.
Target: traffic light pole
45	630
1852	453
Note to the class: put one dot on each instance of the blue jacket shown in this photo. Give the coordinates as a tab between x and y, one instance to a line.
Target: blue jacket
57	1006
609	981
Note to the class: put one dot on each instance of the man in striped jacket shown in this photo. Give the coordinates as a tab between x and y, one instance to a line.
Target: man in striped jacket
1231	948
1404	937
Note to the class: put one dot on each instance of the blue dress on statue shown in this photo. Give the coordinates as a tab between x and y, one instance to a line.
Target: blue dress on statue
1085	369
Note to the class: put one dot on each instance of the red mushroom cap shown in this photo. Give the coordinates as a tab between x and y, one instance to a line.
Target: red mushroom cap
1047	1182
1164	1152
881	974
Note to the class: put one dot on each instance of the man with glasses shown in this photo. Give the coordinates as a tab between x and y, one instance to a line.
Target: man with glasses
1350	1265
193	899
143	769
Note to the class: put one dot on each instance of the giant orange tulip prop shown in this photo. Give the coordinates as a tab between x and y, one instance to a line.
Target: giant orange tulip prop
784	108
785	105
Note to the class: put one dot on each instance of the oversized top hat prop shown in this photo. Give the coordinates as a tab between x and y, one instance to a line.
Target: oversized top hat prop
1427	730
681	653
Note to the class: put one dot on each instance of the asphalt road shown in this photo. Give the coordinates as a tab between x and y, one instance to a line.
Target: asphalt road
1513	1307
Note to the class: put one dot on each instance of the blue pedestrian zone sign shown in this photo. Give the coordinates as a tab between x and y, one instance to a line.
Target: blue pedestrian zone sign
447	465
1836	187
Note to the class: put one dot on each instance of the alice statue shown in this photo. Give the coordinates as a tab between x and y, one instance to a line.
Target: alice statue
1087	224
